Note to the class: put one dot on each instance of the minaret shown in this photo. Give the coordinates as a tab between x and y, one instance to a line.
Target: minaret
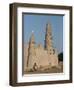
53	58
48	37
31	50
32	41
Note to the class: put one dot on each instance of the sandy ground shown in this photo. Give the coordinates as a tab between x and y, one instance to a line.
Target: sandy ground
57	69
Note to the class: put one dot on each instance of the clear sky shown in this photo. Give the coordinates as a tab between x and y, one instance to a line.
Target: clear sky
37	24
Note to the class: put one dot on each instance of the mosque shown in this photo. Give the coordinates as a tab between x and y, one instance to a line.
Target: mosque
38	56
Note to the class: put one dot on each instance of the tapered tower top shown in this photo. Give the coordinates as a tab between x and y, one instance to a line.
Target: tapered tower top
48	28
32	39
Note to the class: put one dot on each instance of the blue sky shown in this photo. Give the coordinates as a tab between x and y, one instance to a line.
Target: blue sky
37	24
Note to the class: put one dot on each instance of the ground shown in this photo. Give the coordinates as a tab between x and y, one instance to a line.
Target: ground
47	69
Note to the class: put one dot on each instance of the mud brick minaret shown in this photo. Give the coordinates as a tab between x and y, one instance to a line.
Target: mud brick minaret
31	51
53	58
48	37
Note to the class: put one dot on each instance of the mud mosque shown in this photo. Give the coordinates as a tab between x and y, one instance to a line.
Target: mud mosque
38	56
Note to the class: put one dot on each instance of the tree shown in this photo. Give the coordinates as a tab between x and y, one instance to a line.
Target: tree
60	56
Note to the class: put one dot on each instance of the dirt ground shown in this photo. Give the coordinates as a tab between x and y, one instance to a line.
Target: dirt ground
58	69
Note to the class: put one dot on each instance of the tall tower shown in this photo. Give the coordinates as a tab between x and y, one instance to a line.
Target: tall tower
31	51
32	42
48	37
53	58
